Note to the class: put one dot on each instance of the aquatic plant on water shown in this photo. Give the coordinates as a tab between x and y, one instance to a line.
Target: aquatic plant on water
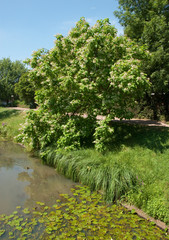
83	216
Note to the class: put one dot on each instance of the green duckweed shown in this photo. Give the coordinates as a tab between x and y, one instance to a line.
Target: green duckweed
83	216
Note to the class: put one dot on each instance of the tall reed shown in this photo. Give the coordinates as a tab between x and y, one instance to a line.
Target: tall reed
91	168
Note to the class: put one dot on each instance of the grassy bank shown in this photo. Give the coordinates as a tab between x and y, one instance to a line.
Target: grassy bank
10	120
136	168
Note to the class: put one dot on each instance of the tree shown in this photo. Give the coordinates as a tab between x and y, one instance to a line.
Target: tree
90	72
146	22
10	72
25	89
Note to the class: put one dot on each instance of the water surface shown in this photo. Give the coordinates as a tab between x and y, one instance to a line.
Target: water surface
24	180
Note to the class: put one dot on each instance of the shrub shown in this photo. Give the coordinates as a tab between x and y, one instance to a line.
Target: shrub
89	72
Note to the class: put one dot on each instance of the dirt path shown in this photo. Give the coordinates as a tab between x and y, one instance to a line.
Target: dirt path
145	122
19	108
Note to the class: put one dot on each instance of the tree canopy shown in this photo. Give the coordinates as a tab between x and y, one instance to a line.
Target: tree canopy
10	72
147	22
25	89
133	14
90	72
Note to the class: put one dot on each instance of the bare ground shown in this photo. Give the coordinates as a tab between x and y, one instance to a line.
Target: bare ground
146	122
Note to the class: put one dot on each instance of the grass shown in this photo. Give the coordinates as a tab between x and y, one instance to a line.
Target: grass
10	120
91	168
138	174
136	168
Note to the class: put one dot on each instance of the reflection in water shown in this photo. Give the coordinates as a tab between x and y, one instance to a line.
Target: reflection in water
24	180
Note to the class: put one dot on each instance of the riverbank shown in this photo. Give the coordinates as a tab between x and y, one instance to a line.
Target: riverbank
10	122
114	175
143	150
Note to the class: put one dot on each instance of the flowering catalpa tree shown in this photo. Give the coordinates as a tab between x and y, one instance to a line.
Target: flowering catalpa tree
88	73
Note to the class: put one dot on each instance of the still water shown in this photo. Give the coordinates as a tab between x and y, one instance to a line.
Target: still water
24	180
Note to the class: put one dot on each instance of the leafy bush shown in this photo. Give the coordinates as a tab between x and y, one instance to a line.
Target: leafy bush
89	72
103	135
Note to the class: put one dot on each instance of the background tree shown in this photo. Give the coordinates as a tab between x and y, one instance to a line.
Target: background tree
90	72
25	89
10	72
147	22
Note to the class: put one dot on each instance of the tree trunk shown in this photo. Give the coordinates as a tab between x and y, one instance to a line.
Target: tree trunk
166	106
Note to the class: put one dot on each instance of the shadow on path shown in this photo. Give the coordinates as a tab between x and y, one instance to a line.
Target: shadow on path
148	136
7	113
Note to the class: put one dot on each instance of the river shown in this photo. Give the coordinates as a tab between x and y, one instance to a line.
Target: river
24	180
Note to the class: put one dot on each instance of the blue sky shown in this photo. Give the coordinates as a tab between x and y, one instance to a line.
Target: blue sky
27	25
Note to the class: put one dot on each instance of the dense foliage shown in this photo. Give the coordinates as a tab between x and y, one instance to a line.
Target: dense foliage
10	73
91	72
25	89
147	22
